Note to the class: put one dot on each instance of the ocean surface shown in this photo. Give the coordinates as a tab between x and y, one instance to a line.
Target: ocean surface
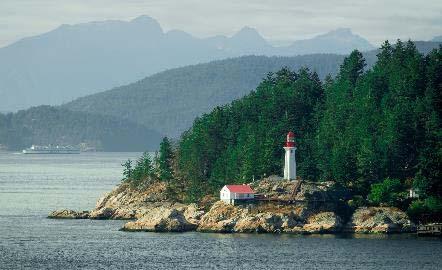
33	185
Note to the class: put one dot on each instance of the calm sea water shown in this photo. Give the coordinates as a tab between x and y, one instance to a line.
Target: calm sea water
33	185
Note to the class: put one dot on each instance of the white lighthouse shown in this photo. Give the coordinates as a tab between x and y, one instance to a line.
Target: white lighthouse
290	158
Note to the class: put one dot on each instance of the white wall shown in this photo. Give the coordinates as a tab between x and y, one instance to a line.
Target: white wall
226	195
290	163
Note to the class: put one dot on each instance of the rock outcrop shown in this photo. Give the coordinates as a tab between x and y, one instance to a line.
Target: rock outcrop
126	203
324	222
311	210
266	222
222	217
379	220
68	214
161	219
276	187
225	218
193	213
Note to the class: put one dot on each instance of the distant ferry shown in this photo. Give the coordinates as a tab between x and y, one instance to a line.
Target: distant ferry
36	149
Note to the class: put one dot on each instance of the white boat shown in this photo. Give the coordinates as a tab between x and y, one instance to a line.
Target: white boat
36	149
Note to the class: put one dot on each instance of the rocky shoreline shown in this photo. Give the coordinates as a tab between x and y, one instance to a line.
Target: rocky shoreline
150	211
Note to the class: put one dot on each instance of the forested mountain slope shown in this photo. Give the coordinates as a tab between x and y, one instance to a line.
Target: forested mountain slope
169	101
50	125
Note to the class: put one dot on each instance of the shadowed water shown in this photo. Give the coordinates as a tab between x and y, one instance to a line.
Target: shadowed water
33	185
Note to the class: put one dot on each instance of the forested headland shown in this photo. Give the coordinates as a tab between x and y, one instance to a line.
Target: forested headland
45	125
376	132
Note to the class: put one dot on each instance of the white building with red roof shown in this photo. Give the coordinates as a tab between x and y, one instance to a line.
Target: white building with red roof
234	193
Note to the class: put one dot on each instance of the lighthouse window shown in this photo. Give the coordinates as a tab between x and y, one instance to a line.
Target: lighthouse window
291	151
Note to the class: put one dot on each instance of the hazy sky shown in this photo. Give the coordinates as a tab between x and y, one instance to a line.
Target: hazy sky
277	20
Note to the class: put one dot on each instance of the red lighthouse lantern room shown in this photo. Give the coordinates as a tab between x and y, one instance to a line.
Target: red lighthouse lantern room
290	140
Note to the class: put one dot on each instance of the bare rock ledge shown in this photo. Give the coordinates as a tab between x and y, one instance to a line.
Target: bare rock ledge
68	214
161	219
379	220
150	210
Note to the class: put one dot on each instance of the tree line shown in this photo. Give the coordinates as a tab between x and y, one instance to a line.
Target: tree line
45	125
375	132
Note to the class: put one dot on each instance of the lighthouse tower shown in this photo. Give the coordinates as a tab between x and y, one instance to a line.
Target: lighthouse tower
290	159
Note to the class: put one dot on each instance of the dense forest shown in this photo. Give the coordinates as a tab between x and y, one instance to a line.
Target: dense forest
169	101
51	125
376	132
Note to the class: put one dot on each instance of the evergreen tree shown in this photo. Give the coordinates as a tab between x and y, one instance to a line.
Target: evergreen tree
243	141
127	169
336	140
146	164
165	156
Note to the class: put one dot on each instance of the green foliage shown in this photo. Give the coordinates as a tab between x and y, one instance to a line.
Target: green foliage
389	192
375	132
434	204
143	167
243	141
141	174
190	91
416	209
429	209
127	169
165	156
384	122
356	201
356	129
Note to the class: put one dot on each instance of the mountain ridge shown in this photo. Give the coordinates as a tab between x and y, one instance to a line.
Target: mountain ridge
169	101
44	69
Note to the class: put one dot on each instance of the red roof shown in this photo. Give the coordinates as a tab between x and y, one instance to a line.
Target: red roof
291	134
240	188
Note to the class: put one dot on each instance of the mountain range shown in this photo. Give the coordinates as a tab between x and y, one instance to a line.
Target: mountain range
77	60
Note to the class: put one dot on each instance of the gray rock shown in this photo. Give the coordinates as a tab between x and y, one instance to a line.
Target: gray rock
379	220
102	213
161	220
68	214
324	222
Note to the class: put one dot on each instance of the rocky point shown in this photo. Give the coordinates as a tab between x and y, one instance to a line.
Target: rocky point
312	209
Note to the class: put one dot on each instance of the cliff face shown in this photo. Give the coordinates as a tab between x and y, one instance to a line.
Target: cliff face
312	210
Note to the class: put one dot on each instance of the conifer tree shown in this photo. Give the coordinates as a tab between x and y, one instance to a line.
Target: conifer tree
165	156
127	169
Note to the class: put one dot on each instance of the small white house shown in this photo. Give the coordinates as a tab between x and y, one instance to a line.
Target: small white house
413	193
231	193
